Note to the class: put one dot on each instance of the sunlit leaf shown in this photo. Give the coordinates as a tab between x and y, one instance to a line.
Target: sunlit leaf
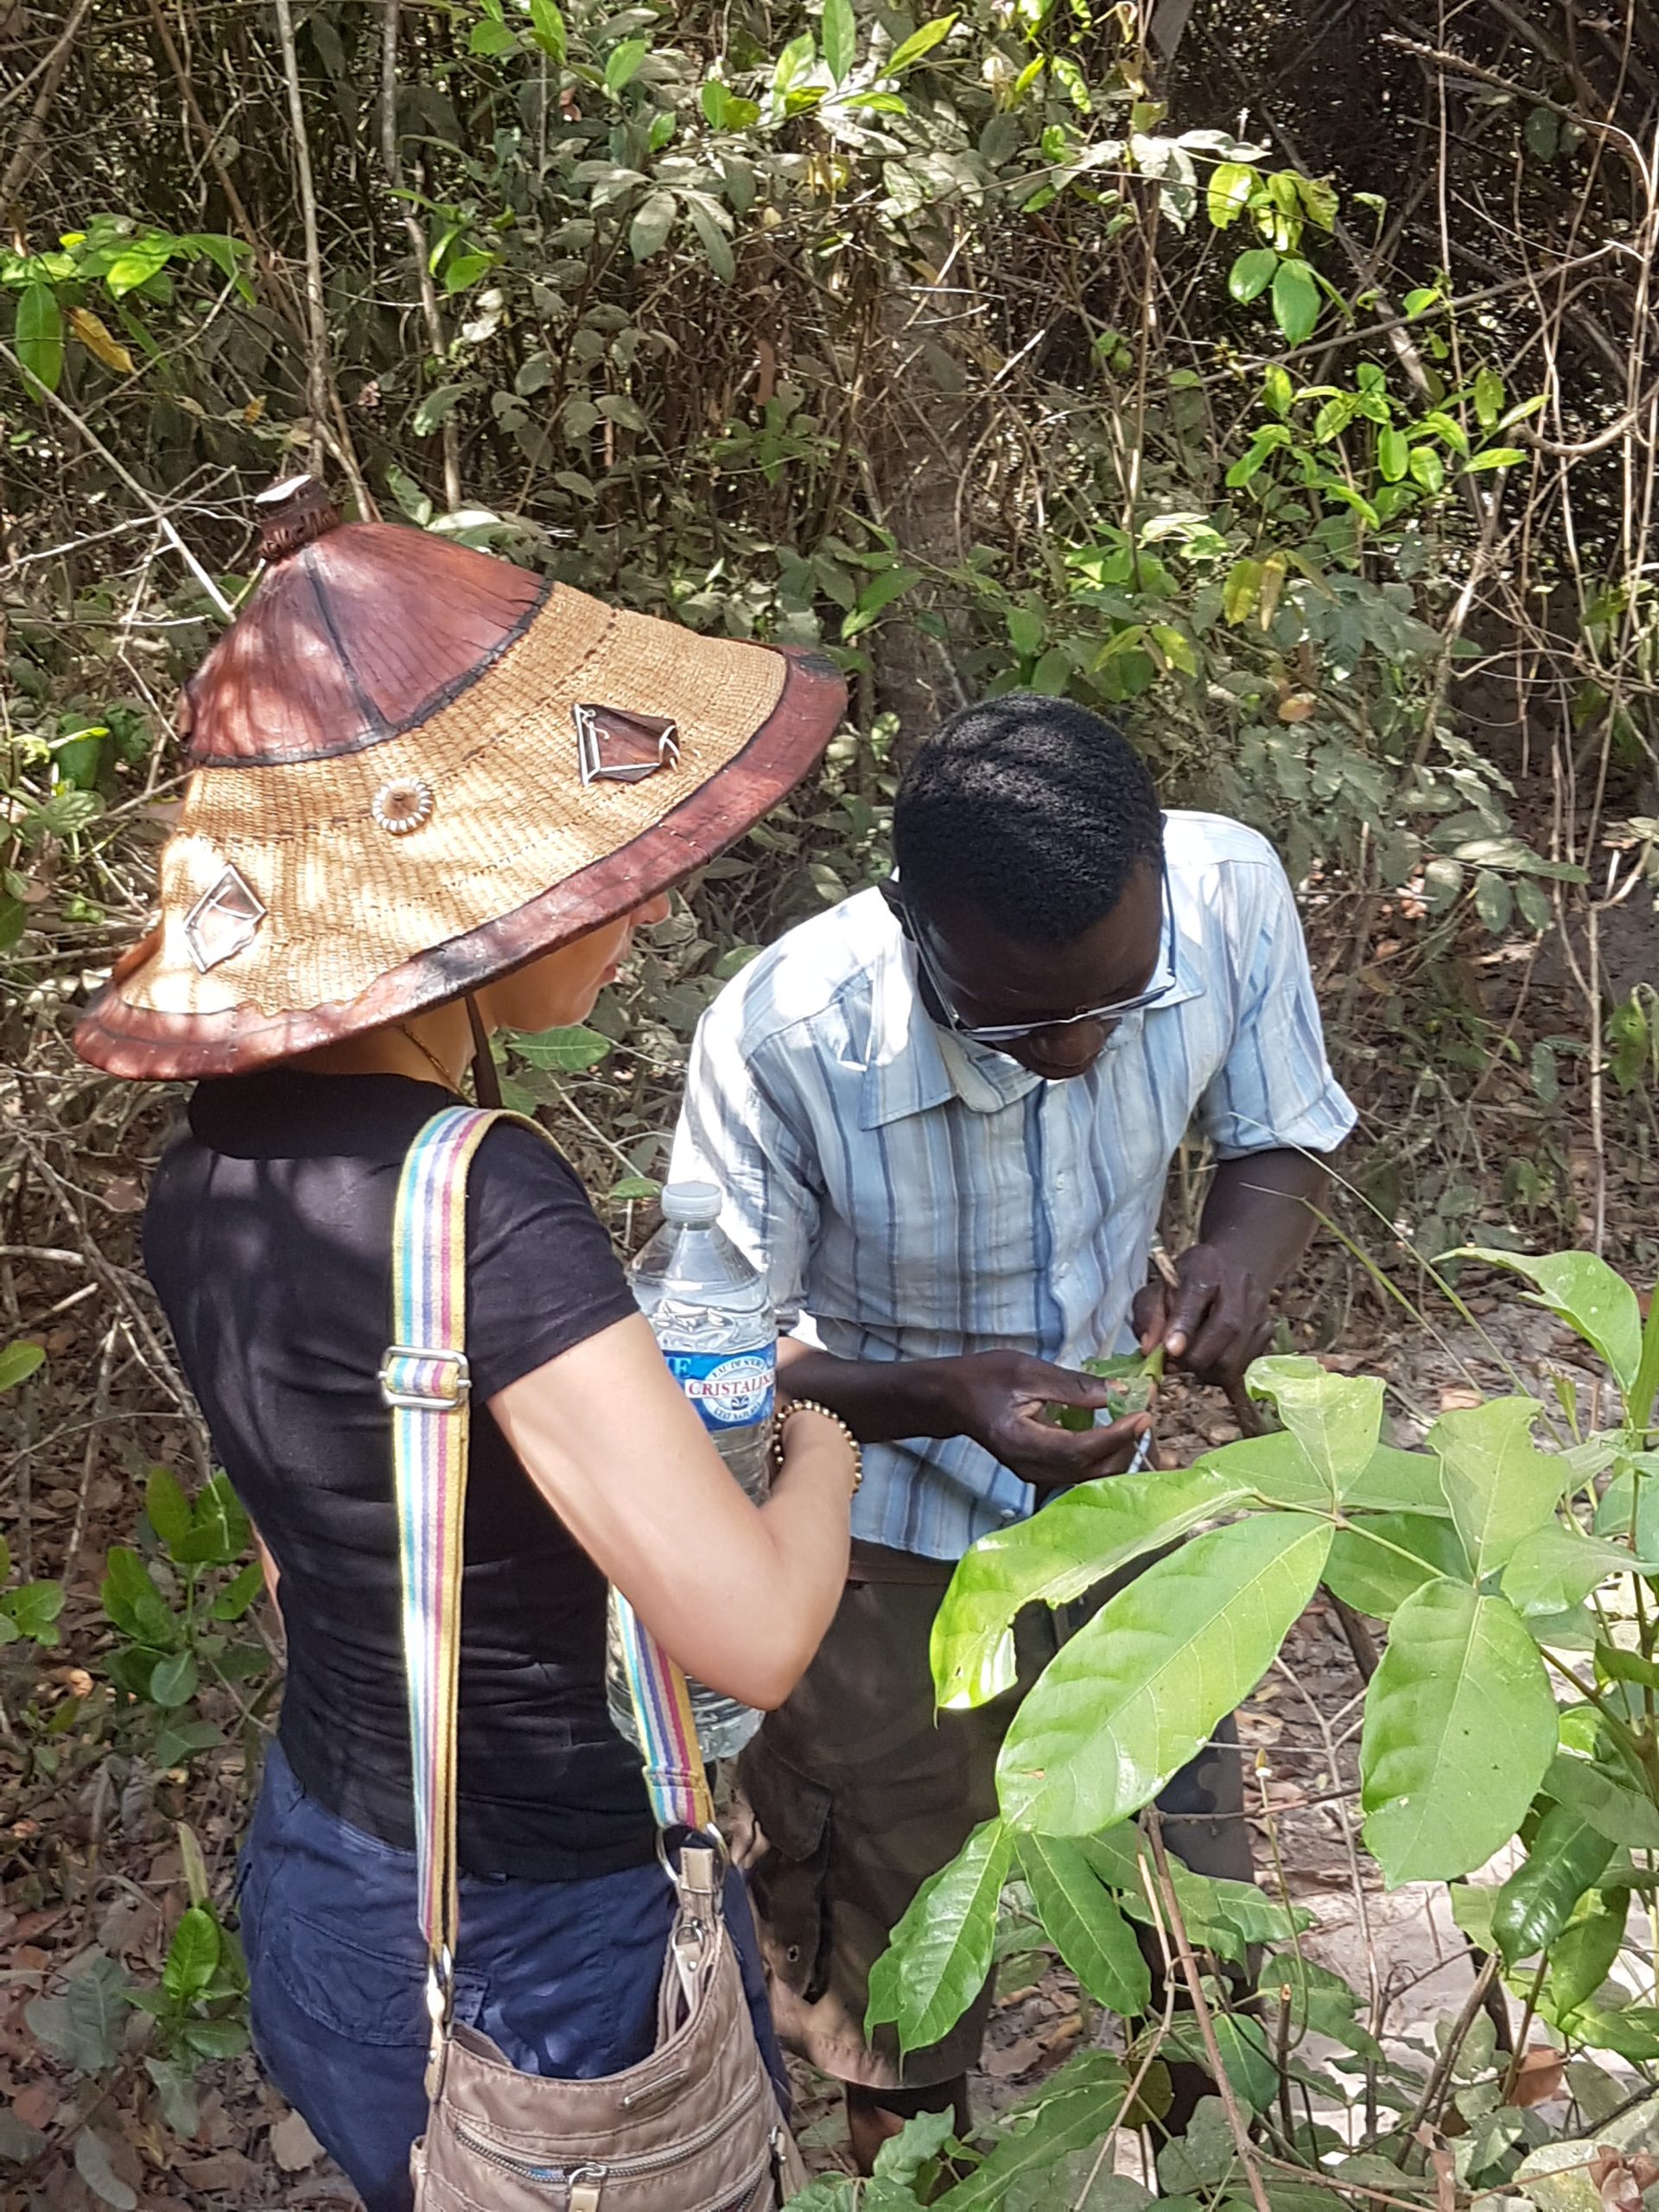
1295	299
1075	1542
1499	1486
941	1949
1459	1730
1566	1857
1137	1692
1586	1294
920	43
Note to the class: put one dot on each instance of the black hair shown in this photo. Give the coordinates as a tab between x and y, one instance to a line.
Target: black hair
1032	813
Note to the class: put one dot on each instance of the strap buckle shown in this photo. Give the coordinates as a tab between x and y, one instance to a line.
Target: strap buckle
421	1379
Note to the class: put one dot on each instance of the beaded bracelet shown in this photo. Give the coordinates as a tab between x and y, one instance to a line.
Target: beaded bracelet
811	1406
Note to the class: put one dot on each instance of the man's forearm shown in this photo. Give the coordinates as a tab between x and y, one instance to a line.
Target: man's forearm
1256	1210
880	1400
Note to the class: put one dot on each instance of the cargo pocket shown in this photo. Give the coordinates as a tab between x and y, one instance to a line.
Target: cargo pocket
370	1992
786	1865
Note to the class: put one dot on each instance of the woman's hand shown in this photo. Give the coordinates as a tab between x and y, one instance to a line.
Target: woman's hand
740	1594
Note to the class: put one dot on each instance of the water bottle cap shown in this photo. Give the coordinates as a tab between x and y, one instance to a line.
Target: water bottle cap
695	1205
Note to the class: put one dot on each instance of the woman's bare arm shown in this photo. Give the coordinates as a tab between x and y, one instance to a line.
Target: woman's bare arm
740	1594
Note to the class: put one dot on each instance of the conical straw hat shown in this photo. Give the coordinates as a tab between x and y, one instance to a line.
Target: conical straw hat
416	767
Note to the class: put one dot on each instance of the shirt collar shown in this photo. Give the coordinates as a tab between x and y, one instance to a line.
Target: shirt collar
913	1064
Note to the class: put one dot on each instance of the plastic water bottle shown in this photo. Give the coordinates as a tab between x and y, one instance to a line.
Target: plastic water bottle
714	1320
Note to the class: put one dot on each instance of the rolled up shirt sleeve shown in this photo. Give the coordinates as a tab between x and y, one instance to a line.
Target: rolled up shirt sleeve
1274	1090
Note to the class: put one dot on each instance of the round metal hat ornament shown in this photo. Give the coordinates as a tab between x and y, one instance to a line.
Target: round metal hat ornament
415	767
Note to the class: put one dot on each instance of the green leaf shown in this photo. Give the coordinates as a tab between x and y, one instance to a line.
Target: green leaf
18	1361
1630	1504
876	596
38	335
1459	1730
716	244
1252	273
239	1592
1365	1568
1241	590
1230	185
1076	2111
214	2039
1393	455
1140	1688
1337	1419
1585	1293
1089	1931
1399	1481
175	1680
840	38
562	1051
220	1533
1580	1959
650	227
1567	1856
903	2158
1489	397
794	62
1295	299
93	2163
1494	457
1500	1487
1073	1543
1557	1568
910	50
177	2096
32	1608
143	258
1622	1814
941	1950
166	1507
1277	390
432	409
191	1956
547	29
623	63
1427	468
86	2024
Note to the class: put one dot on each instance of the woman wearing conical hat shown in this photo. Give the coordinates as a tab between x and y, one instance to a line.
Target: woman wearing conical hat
433	795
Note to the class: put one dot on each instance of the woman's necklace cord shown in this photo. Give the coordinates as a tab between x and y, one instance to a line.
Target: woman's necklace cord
432	1060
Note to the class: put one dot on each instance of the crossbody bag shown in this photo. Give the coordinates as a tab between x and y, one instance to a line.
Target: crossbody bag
696	2127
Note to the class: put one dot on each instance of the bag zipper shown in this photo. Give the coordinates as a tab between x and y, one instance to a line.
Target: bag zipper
617	2169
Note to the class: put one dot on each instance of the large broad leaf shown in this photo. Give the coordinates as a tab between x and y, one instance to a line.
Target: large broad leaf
38	335
1581	1957
1078	2108
86	2023
1499	1486
1337	1419
1459	1730
1556	1567
941	1950
1589	1297
1278	1472
1614	1808
1055	1556
1377	1563
1567	1856
840	37
1090	1932
1140	1687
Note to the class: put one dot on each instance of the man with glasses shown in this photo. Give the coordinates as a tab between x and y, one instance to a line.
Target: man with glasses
942	1114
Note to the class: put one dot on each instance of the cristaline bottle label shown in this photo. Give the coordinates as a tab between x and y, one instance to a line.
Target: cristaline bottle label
729	1389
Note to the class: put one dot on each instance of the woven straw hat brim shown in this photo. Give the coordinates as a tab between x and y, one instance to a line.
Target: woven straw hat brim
517	856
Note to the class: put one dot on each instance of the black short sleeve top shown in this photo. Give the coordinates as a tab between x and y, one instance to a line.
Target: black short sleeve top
267	1238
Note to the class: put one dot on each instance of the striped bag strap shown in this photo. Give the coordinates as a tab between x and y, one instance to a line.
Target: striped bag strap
426	1381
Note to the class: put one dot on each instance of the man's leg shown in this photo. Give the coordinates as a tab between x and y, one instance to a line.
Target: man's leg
854	1794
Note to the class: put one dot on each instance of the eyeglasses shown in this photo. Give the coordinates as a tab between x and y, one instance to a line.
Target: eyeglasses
1014	1032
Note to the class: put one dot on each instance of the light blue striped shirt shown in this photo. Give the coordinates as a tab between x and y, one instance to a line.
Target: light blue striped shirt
911	1195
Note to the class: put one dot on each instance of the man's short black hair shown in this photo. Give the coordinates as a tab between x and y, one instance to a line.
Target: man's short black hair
1032	813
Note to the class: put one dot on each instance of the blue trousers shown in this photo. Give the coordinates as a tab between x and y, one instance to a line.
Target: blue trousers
563	1976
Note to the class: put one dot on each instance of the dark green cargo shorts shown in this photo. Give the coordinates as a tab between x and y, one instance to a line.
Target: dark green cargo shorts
854	1791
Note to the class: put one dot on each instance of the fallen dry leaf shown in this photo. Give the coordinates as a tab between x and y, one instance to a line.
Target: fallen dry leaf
293	2146
1538	2077
1457	1397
